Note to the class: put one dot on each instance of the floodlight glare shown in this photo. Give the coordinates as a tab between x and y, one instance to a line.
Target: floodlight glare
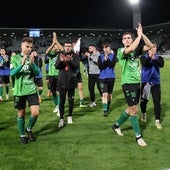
134	1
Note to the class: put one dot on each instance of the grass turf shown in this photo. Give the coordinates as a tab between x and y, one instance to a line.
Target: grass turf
89	143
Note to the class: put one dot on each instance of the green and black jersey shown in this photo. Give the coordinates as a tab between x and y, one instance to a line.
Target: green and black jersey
53	56
24	76
130	67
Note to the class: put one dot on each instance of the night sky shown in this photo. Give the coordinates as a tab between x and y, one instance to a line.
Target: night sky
81	14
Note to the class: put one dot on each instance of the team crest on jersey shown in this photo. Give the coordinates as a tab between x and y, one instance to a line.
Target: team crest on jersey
25	68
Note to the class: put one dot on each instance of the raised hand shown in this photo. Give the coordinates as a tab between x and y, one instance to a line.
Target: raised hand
139	30
54	37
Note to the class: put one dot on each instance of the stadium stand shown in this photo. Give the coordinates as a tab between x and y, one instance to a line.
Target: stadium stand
10	37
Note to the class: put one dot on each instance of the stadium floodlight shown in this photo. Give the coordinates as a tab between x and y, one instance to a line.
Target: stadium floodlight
134	2
136	12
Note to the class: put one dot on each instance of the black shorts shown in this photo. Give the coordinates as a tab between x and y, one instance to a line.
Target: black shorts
132	93
4	79
79	78
107	85
53	81
20	101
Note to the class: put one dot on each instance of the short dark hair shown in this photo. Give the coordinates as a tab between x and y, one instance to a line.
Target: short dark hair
34	49
125	33
106	44
154	42
68	42
27	39
91	45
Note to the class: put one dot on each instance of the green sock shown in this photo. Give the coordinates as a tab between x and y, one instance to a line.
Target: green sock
123	117
56	100
31	122
135	124
1	91
104	106
21	125
81	101
39	92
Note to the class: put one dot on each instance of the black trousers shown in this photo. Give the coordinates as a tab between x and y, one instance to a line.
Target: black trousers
155	90
69	93
92	80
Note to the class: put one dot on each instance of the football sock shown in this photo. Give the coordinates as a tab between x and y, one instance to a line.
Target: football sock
123	117
56	100
21	125
135	125
81	101
39	92
1	91
31	122
104	106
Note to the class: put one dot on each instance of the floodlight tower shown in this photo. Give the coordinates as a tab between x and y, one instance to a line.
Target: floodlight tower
136	12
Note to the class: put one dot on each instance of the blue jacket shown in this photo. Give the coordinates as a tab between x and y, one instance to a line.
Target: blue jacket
151	68
5	68
107	66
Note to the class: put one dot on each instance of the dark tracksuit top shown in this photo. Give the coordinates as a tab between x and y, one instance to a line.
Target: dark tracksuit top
151	69
67	72
107	67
